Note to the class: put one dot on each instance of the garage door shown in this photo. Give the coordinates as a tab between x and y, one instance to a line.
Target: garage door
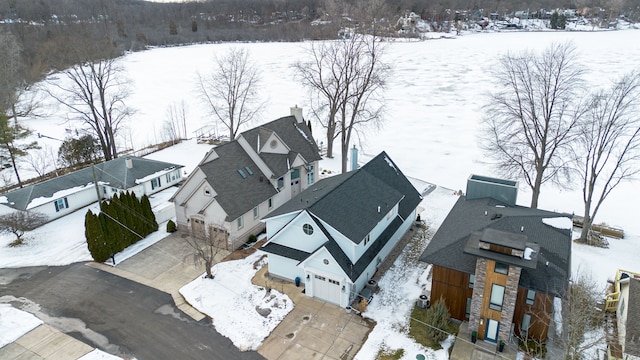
326	289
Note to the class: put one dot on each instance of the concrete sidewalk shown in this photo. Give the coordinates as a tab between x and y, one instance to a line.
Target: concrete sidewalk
45	342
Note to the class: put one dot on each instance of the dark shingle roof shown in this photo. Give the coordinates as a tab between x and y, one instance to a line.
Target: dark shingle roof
235	194
285	251
468	216
115	173
632	337
350	202
295	135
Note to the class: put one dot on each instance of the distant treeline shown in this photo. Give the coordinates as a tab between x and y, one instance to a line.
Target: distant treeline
45	27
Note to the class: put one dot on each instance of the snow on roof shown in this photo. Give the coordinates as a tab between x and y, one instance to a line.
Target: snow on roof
56	195
559	222
391	164
528	252
4	200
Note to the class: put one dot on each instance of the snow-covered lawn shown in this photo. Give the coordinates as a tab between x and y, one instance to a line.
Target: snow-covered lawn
14	323
241	311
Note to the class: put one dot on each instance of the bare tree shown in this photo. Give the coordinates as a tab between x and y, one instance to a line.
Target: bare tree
608	144
41	160
231	90
19	222
530	119
175	125
95	93
346	79
582	317
206	247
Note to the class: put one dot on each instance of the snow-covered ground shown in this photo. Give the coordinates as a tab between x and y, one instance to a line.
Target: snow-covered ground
434	101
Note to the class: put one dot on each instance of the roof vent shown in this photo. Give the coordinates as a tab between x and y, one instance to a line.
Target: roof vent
129	163
521	228
378	208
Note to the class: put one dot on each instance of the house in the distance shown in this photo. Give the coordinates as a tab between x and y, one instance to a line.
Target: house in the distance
503	268
238	183
67	193
333	235
624	303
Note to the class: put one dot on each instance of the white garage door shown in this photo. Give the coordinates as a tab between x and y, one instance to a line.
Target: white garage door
326	289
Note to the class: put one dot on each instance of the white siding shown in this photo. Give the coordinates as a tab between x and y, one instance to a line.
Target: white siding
76	201
275	224
294	237
376	232
285	268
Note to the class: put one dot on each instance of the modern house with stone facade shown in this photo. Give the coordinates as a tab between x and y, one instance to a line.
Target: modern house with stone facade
500	266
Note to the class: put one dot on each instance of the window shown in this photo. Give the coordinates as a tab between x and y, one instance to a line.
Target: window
526	321
239	222
497	296
307	228
472	280
310	175
295	174
280	183
501	268
255	212
244	176
172	176
155	183
366	239
531	297
467	310
270	203
249	171
334	282
61	204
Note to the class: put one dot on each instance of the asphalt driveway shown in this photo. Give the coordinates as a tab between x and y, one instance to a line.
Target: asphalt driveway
115	314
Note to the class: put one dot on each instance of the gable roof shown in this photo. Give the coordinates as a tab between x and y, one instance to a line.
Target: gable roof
236	194
355	202
295	135
114	173
467	217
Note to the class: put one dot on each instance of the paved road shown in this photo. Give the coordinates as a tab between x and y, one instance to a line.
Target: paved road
114	314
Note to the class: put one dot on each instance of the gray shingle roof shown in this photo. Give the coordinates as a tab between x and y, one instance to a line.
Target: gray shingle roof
632	337
350	202
295	135
235	194
114	172
468	216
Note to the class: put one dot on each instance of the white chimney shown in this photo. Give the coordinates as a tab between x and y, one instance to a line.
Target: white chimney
129	163
297	112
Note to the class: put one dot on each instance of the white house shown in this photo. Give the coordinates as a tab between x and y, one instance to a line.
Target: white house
239	182
67	193
333	235
625	302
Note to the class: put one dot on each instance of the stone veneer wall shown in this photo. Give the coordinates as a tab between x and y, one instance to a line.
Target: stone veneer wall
478	293
509	303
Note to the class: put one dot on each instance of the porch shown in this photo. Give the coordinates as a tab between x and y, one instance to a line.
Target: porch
464	349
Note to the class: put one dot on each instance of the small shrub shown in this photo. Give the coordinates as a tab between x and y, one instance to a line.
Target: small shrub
390	354
438	318
252	238
171	226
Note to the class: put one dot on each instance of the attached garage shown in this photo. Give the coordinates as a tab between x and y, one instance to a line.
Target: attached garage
326	289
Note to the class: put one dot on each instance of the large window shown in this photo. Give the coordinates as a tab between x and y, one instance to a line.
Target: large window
531	297
472	280
295	174
497	296
501	268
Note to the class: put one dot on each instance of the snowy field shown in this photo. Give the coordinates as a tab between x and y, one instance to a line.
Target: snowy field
434	101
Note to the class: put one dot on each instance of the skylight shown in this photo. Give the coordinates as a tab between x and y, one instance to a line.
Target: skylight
248	170
244	176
